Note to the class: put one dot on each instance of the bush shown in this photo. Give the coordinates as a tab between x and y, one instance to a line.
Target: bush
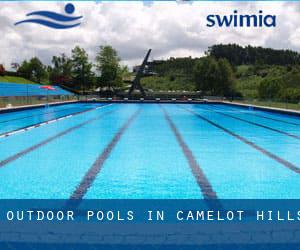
290	95
270	88
172	78
2	70
213	76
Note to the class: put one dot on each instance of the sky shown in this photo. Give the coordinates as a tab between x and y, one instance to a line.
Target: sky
171	29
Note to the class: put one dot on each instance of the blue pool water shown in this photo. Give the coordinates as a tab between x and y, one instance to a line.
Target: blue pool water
149	151
17	120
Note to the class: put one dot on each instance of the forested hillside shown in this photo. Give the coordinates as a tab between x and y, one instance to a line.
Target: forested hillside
232	70
238	55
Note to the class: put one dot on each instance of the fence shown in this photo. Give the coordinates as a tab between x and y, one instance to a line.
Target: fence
14	94
287	104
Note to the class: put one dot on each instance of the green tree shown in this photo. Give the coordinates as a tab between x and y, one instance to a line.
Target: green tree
108	65
205	74
238	55
33	70
25	69
61	71
270	88
290	94
83	76
224	83
213	76
38	70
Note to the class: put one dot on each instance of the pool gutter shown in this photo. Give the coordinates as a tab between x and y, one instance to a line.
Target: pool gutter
19	108
263	108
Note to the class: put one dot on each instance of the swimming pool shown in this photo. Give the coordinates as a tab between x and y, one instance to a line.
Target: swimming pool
172	151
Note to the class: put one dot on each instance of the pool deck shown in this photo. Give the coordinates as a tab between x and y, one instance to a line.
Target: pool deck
263	108
19	108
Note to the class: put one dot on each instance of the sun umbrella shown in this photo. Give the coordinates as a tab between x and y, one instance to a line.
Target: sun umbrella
47	87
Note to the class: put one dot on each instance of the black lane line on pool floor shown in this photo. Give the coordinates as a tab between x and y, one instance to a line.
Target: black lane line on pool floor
256	124
266	117
201	179
50	139
6	134
273	119
283	162
94	170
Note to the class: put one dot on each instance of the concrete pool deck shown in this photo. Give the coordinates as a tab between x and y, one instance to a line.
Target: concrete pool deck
108	100
265	108
32	106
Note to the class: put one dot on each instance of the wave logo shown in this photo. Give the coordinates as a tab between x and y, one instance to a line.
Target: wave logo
54	20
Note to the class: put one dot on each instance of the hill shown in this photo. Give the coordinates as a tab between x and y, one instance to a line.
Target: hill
171	74
257	73
272	82
15	79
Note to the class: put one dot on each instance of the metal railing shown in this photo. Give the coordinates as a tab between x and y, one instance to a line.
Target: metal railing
15	101
274	103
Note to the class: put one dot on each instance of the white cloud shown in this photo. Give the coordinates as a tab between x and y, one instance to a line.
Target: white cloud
169	28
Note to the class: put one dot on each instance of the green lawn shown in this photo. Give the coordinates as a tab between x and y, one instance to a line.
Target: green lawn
15	79
282	105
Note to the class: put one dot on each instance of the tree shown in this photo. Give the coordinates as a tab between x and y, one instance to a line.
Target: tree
38	70
61	71
238	55
33	70
205	73
270	88
107	64
25	69
2	70
224	84
81	69
214	76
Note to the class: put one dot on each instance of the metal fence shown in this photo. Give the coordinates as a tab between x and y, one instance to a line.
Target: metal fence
283	104
14	101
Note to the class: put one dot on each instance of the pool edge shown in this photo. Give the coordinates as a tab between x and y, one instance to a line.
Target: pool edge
242	105
263	108
34	106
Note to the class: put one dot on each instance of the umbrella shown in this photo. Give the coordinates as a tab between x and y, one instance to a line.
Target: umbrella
47	87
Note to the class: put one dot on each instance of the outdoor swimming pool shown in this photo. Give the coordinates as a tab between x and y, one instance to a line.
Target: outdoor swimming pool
95	151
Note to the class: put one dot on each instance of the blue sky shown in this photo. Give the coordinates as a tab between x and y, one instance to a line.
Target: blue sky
169	28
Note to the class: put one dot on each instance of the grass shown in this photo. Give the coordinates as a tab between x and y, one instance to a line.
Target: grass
165	83
273	104
15	79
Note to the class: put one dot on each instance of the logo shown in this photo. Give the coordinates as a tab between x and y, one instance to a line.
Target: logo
54	20
238	20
